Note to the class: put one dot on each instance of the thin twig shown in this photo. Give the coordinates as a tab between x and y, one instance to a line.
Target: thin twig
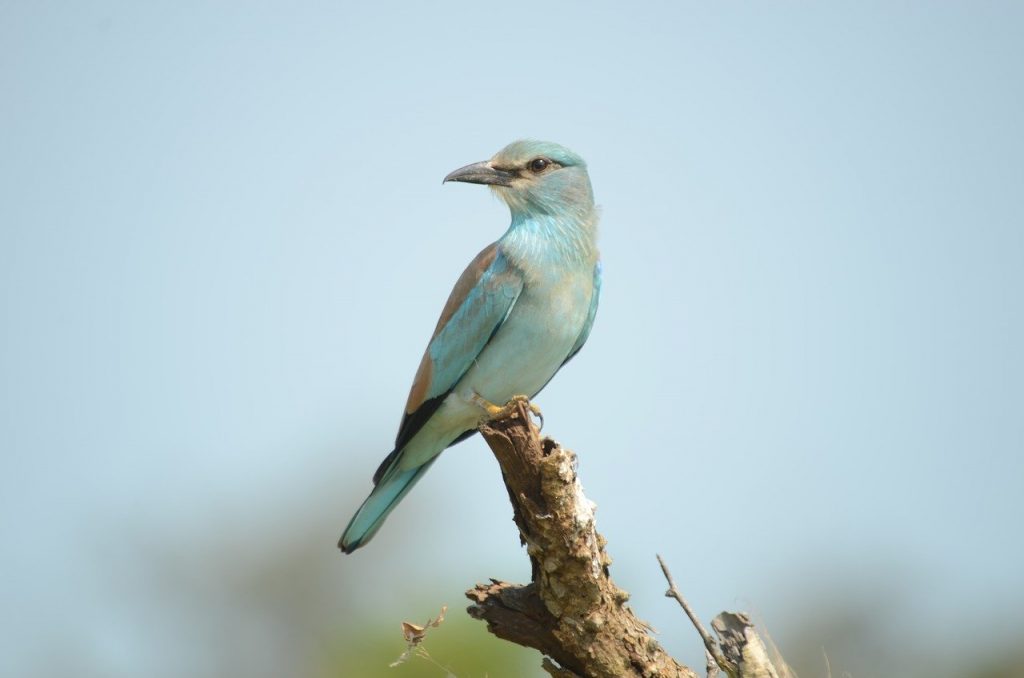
709	642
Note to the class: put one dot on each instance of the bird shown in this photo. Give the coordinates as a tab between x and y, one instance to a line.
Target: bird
520	311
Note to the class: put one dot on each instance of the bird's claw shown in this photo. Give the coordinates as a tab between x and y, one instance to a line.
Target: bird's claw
533	408
498	411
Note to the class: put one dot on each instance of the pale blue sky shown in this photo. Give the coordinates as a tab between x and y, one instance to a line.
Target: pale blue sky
225	242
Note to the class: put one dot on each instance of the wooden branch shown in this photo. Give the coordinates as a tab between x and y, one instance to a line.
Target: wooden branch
739	651
710	646
745	650
572	611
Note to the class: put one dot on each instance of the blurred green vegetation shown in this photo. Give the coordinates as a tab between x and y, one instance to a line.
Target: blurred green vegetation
281	601
461	645
284	603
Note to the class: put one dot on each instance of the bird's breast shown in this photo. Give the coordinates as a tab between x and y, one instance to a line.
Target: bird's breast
534	340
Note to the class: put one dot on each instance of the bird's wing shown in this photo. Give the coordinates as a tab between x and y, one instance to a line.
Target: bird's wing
477	307
589	323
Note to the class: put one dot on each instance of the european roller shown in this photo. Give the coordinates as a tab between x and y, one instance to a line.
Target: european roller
521	310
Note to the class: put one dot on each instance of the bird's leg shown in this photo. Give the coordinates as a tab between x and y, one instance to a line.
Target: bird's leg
497	411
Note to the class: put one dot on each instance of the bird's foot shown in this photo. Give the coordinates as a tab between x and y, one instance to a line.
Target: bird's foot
498	411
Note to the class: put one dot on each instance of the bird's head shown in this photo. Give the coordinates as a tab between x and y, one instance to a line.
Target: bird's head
534	177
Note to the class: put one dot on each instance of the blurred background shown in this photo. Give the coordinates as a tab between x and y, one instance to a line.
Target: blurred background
225	243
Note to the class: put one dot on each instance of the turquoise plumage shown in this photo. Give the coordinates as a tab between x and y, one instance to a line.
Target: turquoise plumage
522	309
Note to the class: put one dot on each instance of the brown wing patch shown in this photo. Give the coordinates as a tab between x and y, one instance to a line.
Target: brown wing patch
466	282
420	385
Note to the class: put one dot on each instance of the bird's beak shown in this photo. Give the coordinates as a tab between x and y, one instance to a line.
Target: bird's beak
481	173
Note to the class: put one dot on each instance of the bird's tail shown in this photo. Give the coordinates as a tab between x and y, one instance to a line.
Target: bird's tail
382	500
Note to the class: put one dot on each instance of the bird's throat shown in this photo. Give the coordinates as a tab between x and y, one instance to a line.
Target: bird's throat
549	239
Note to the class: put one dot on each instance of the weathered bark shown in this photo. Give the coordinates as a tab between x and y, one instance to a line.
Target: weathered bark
572	611
745	651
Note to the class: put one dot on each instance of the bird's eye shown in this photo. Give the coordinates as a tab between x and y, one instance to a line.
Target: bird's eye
539	164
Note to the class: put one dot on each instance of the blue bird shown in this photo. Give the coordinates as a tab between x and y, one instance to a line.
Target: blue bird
522	309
